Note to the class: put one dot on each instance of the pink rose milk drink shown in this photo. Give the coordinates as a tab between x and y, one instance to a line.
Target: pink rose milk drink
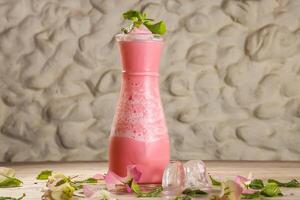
139	133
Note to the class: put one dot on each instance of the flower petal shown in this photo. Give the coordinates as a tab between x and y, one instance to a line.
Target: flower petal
240	180
98	176
231	190
89	190
128	188
248	191
112	179
133	173
243	182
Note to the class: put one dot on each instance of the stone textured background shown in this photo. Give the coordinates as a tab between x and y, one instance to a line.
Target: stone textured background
230	77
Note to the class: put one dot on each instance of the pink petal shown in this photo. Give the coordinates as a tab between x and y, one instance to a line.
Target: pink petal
89	190
129	190
248	191
133	173
240	180
235	191
112	179
98	176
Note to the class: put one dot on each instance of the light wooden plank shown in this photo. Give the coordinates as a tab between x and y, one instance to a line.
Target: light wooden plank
220	169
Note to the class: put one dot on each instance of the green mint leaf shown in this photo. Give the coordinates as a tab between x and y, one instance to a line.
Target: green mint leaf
144	15
271	190
138	24
133	14
256	184
137	190
43	175
88	180
134	19
10	182
148	20
12	198
154	193
185	197
251	196
158	28
214	182
62	181
139	18
78	184
193	192
292	184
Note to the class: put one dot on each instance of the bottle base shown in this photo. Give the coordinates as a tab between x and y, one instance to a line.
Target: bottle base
150	158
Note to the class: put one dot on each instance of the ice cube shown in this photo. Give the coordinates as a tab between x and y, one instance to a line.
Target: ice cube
173	178
195	175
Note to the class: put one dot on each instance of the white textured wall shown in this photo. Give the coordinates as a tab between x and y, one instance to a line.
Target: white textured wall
230	77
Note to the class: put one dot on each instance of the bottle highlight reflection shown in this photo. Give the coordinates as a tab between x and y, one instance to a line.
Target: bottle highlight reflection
139	133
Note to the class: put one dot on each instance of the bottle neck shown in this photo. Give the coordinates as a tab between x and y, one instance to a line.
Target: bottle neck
140	82
140	56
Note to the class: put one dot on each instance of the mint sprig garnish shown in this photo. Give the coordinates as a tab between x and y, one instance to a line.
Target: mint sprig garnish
139	18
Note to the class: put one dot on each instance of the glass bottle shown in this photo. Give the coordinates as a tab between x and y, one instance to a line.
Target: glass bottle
139	134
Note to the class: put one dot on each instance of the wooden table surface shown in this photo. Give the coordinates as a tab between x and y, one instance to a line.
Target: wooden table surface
220	169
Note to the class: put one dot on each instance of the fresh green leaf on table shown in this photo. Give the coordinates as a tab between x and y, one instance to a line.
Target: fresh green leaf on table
88	180
251	196
137	190
58	187
7	178
43	175
214	182
12	198
185	197
271	190
193	192
10	182
63	181
78	184
256	184
292	184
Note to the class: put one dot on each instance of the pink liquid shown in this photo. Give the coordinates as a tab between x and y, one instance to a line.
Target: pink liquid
139	134
150	158
140	56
